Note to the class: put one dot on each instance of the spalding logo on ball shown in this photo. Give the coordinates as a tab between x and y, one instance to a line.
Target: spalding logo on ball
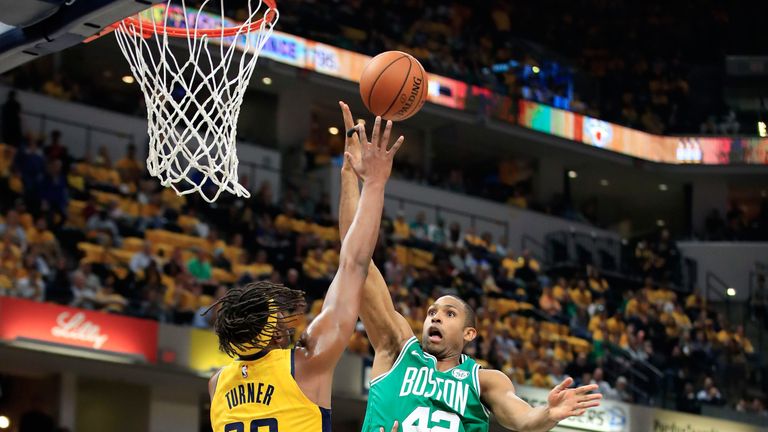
394	85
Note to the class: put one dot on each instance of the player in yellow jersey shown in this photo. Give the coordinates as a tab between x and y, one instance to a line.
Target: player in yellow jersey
269	387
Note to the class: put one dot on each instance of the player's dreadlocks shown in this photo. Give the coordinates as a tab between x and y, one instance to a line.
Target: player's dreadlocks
247	316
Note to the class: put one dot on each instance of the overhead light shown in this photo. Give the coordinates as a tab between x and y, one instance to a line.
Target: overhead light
536	69
761	129
730	292
266	81
333	130
572	174
663	187
660	222
5	422
604	182
128	79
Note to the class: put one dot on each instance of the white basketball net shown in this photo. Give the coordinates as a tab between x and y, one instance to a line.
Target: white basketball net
193	100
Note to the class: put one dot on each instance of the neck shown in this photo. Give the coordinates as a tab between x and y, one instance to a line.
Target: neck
256	356
448	362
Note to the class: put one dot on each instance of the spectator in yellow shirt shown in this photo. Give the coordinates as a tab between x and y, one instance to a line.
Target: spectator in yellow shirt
108	298
580	295
558	291
615	324
723	337
563	352
597	283
40	234
129	167
511	264
548	303
741	339
597	320
516	374
402	231
681	318
637	306
283	223
315	266
540	378
694	302
472	239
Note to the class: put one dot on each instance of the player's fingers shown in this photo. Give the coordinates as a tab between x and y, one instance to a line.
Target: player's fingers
591	397
375	133
396	146
586	389
385	135
578	412
350	159
394	427
349	121
587	405
363	137
565	384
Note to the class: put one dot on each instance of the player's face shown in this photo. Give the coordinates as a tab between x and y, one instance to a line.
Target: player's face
445	332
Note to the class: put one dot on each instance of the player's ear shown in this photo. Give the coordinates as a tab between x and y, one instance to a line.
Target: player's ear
470	333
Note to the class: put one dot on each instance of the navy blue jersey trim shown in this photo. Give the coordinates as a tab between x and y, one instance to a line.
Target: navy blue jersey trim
253	357
325	413
293	364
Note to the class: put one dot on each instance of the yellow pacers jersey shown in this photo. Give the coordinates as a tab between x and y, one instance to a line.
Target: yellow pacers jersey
260	395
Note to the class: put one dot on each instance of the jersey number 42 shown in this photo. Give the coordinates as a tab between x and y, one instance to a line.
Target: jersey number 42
419	421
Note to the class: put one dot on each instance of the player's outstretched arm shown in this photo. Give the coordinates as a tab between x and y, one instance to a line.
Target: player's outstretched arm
326	338
498	393
387	330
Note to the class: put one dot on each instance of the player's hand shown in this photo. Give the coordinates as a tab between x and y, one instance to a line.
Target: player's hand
374	162
565	402
351	143
394	428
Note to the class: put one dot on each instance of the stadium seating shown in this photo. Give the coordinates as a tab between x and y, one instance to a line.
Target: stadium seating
594	319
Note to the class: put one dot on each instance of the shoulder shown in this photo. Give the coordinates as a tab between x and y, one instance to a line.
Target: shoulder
397	346
492	379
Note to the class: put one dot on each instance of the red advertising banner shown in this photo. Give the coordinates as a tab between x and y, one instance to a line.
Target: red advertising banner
24	319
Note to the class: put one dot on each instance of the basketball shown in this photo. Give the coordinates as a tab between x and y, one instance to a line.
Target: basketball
393	85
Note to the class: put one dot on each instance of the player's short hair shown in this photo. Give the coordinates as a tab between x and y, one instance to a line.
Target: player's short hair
471	317
246	316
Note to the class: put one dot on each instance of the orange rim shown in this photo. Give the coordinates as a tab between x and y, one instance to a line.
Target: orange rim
137	26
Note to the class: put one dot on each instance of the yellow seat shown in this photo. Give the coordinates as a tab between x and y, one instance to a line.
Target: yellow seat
221	275
254	270
133	243
420	258
123	255
129	207
76	182
233	253
187	223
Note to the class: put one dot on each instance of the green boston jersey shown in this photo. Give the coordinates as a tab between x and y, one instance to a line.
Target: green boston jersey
424	399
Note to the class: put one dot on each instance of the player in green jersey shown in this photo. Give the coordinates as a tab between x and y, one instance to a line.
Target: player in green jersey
430	386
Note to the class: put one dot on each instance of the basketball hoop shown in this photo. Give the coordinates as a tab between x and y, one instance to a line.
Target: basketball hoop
193	90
